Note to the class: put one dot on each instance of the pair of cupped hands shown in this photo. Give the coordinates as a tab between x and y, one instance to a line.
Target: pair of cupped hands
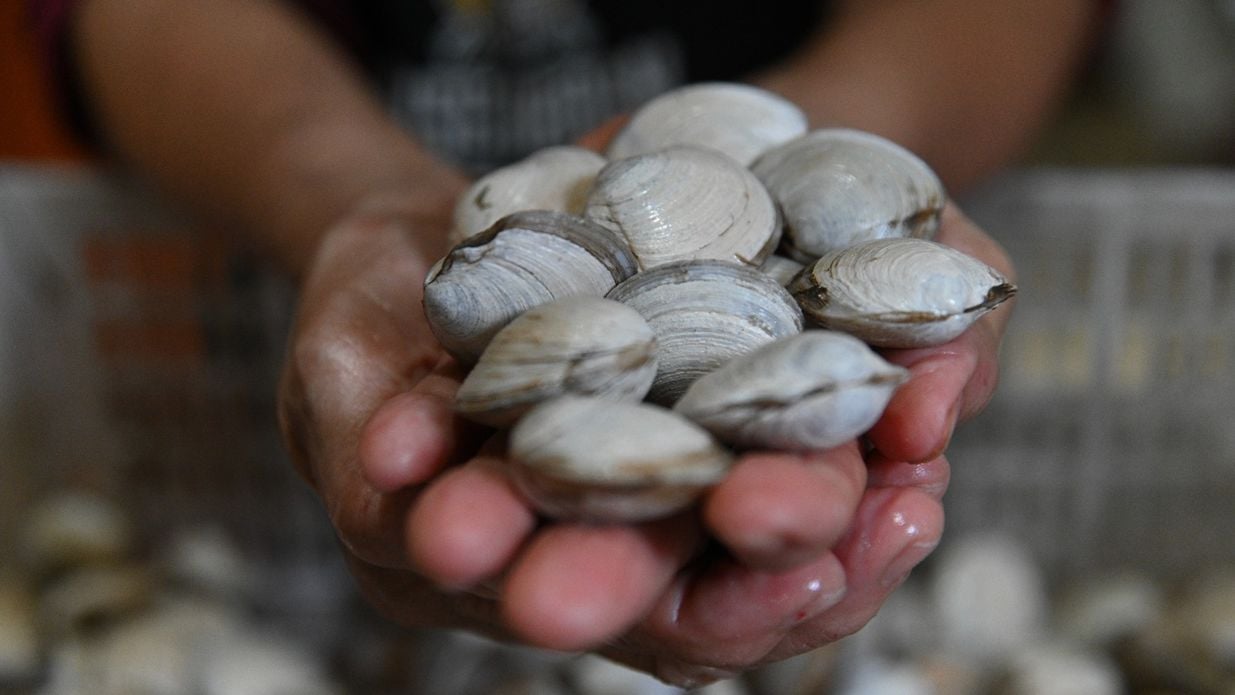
789	552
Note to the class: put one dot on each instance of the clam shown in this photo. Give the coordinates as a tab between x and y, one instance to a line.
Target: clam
838	187
596	459
781	268
899	292
705	313
75	528
810	391
525	259
19	630
554	178
739	120
685	203
580	345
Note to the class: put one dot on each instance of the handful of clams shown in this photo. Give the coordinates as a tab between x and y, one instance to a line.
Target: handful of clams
638	333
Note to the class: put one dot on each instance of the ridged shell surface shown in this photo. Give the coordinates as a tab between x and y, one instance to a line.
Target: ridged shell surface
524	260
810	391
555	178
596	459
578	345
739	120
837	187
899	292
705	313
685	203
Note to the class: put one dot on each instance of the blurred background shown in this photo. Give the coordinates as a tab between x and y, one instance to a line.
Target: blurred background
154	540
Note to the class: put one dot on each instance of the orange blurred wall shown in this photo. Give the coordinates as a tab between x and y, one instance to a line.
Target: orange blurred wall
29	125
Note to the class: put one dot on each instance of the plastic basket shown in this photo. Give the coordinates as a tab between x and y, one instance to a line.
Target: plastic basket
140	362
1110	440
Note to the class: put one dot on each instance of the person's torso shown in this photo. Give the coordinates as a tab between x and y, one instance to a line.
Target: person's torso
485	82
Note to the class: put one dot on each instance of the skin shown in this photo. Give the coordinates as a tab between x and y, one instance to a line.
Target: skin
243	109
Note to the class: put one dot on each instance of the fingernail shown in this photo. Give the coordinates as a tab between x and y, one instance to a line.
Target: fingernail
823	588
823	596
910	556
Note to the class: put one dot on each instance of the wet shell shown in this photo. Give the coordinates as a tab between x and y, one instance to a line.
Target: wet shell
524	260
811	391
591	458
685	203
739	120
555	178
579	345
899	292
705	313
838	187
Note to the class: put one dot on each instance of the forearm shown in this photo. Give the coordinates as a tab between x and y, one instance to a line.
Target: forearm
965	84
242	108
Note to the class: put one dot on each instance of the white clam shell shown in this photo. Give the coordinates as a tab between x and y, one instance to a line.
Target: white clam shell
899	292
580	345
684	203
554	178
75	528
92	594
591	458
739	120
19	630
838	187
524	260
810	391
705	313
781	268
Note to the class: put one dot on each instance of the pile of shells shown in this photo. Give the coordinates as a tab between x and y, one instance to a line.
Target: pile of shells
714	284
83	609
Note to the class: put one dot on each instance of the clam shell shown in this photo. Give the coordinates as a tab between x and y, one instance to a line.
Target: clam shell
524	260
705	313
781	268
737	119
580	345
591	458
810	391
554	178
899	292
685	203
838	187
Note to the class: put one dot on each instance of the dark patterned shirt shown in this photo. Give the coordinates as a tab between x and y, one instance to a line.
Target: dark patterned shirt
485	82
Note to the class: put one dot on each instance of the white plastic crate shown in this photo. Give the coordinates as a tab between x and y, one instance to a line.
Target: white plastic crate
1110	441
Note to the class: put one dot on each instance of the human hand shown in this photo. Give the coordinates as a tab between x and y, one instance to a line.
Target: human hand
436	536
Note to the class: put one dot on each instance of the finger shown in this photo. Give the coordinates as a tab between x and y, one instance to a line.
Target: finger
578	586
774	511
730	616
918	422
414	434
468	525
931	477
720	618
960	232
894	530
